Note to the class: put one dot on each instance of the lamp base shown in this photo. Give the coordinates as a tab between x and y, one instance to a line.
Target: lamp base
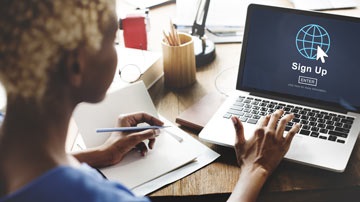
205	55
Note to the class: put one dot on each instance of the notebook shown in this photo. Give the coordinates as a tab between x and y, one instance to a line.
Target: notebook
305	63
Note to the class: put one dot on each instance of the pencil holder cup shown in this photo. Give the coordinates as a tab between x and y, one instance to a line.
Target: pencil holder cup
179	62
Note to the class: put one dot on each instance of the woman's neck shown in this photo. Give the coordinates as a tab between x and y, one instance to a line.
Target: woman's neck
32	141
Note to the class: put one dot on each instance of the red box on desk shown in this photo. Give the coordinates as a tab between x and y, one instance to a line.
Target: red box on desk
134	32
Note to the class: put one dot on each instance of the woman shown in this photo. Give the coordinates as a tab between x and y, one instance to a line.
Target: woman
56	54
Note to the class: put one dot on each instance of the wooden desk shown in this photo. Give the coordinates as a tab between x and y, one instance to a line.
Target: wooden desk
290	182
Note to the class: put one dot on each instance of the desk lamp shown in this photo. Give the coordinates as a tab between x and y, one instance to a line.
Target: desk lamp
204	48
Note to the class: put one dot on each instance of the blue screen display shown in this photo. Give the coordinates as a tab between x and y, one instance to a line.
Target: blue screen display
302	54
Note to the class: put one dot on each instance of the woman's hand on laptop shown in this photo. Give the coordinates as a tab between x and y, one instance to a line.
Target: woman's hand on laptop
261	154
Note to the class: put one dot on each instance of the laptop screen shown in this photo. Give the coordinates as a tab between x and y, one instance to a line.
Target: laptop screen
301	55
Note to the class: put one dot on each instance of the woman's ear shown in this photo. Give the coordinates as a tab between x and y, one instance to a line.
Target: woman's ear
75	67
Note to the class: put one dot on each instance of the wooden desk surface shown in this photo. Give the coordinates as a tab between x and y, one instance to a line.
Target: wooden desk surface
290	182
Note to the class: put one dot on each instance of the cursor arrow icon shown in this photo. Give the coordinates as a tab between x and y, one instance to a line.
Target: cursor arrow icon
321	54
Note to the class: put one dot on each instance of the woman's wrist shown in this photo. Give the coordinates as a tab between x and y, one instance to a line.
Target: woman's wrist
95	157
250	182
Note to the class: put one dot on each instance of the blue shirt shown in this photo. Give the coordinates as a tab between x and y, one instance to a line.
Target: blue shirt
68	184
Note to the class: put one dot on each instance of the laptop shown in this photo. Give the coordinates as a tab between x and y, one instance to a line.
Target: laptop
303	62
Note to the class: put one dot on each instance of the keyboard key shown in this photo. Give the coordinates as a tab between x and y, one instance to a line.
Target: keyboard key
304	117
287	109
325	131
262	113
340	141
343	130
256	107
239	104
323	137
339	134
248	115
235	112
314	134
235	107
310	113
315	111
338	124
327	117
347	121
347	126
321	125
243	119
255	112
332	138
227	115
319	116
306	127
287	128
304	132
263	104
296	120
315	129
252	121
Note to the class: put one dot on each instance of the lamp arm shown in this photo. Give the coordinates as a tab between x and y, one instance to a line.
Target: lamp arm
198	27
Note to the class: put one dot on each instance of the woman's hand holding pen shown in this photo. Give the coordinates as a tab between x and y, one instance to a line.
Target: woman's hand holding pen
120	143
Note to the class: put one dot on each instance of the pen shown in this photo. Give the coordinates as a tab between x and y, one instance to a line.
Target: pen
133	128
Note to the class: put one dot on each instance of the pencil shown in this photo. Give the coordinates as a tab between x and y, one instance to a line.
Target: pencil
127	129
166	37
175	34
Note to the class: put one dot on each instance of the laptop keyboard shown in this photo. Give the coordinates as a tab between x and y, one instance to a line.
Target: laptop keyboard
314	123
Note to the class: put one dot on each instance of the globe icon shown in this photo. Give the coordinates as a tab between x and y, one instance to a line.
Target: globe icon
309	38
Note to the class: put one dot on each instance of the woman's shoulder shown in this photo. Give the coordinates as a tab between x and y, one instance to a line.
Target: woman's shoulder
65	183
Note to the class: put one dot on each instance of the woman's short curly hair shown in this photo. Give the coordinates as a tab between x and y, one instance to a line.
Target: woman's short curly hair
35	34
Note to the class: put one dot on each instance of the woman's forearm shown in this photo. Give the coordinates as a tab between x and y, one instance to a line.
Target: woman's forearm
249	185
